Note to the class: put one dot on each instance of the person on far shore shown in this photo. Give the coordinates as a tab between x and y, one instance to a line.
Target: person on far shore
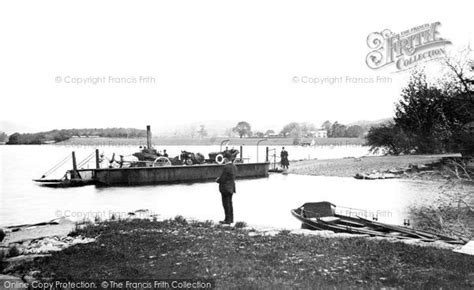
284	158
227	187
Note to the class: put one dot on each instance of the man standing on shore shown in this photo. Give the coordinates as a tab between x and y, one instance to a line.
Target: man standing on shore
227	187
284	158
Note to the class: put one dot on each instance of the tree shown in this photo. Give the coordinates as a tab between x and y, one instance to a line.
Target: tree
430	114
389	138
192	131
3	137
327	126
460	69
202	131
259	134
307	129
429	119
338	130
462	74
14	138
292	129
354	131
269	132
297	130
242	129
65	134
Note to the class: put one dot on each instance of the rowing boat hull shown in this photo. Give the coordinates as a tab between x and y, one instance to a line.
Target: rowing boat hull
318	224
320	217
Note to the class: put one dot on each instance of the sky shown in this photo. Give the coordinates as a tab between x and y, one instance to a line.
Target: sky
81	64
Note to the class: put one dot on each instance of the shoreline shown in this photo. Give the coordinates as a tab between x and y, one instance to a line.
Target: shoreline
207	141
350	167
64	227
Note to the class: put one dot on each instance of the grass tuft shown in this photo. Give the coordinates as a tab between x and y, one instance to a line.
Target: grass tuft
284	232
240	225
180	220
208	223
75	231
13	252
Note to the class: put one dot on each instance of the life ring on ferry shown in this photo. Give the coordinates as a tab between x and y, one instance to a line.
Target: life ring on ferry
189	161
161	161
219	158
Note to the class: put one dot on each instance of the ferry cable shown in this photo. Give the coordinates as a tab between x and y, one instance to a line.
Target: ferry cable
86	160
55	167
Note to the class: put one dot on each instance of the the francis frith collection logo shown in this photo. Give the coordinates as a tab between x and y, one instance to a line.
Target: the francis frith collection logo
404	50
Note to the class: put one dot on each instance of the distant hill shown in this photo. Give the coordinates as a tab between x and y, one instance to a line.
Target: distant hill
365	123
213	128
223	127
55	136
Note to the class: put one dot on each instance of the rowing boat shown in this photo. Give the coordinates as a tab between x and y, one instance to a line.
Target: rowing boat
323	216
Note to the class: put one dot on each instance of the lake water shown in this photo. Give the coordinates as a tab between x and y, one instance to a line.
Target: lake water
262	202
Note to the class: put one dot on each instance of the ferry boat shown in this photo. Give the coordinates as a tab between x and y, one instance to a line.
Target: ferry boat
154	168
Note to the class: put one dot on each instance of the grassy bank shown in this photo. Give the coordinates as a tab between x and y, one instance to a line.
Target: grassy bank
161	141
177	249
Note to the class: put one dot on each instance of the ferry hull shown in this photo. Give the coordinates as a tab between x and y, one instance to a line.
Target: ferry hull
173	174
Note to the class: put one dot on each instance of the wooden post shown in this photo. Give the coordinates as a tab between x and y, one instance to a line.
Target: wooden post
97	162
266	157
274	159
74	165
241	153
